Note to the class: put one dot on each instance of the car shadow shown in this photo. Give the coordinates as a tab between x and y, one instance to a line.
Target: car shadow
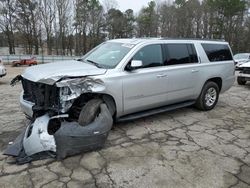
3	82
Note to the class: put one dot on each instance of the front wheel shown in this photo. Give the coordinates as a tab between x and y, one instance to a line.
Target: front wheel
89	111
241	81
209	96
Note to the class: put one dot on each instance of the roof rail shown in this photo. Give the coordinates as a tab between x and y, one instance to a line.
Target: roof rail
205	39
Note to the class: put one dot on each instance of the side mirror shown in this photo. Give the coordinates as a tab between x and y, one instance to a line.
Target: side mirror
136	64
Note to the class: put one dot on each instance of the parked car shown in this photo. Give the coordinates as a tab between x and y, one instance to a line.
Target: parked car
29	62
3	70
241	58
244	74
138	77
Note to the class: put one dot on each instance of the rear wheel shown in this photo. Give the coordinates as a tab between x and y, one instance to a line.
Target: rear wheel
209	97
89	111
241	81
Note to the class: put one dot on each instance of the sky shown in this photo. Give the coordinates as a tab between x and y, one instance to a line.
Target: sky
135	5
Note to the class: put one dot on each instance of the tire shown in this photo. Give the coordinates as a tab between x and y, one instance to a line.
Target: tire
18	65
241	81
13	63
209	96
89	111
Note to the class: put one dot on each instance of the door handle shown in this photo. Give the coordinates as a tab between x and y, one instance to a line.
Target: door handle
195	70
161	75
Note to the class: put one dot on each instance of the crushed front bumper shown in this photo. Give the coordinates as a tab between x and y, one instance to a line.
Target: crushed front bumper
26	106
65	140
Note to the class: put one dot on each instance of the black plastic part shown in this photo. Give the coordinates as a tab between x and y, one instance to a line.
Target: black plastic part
17	146
15	80
155	111
23	158
72	139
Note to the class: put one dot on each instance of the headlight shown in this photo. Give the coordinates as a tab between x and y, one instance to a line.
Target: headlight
66	94
65	91
72	88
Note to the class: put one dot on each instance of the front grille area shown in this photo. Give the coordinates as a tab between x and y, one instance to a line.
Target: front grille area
44	96
246	70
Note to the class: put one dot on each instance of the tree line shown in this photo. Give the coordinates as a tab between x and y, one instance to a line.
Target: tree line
73	27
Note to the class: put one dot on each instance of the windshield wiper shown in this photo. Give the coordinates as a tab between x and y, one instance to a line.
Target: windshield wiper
94	63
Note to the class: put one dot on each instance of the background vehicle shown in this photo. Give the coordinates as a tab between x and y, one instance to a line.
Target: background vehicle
244	74
3	71
241	58
28	62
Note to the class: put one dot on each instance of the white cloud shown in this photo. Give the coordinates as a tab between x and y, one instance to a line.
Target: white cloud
135	5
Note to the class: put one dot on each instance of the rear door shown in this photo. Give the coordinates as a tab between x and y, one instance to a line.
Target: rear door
182	65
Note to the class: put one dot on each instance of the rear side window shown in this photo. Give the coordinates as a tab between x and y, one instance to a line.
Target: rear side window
217	52
179	54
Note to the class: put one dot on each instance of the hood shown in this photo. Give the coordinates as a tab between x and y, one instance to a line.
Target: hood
241	60
245	65
52	72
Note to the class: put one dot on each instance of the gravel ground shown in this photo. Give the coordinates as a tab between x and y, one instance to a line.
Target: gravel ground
181	148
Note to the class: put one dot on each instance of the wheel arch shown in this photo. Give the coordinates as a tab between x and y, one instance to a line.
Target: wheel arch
108	99
217	80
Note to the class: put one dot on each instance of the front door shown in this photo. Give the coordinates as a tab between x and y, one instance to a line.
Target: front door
145	87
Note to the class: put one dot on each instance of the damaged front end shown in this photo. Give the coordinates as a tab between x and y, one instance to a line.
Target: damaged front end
54	129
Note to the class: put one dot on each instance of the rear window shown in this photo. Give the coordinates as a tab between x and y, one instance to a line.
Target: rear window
180	54
217	52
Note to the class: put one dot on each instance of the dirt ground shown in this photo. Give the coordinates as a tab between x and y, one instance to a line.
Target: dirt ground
181	148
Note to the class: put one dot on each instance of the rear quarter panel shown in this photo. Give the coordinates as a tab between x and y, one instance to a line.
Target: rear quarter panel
207	70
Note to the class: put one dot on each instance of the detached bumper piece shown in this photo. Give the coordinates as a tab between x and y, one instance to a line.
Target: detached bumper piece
43	139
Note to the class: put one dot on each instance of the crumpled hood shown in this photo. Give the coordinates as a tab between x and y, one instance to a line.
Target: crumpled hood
245	64
52	72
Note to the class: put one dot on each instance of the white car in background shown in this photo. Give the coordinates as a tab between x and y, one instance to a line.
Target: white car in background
241	58
3	71
244	74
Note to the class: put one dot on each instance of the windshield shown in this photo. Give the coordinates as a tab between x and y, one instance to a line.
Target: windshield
242	56
108	54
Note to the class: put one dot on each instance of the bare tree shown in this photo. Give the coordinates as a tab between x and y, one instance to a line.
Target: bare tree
76	29
109	4
81	22
47	9
63	15
27	23
7	19
95	22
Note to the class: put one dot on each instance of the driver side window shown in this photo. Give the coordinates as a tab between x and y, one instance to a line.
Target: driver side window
151	56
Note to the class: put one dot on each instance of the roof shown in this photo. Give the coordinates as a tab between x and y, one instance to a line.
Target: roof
136	41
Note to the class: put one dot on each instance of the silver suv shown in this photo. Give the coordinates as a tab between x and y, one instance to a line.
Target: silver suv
132	77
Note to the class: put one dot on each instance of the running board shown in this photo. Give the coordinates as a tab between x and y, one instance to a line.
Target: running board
155	111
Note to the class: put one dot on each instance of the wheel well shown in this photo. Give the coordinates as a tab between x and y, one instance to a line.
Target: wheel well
81	101
217	80
109	100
